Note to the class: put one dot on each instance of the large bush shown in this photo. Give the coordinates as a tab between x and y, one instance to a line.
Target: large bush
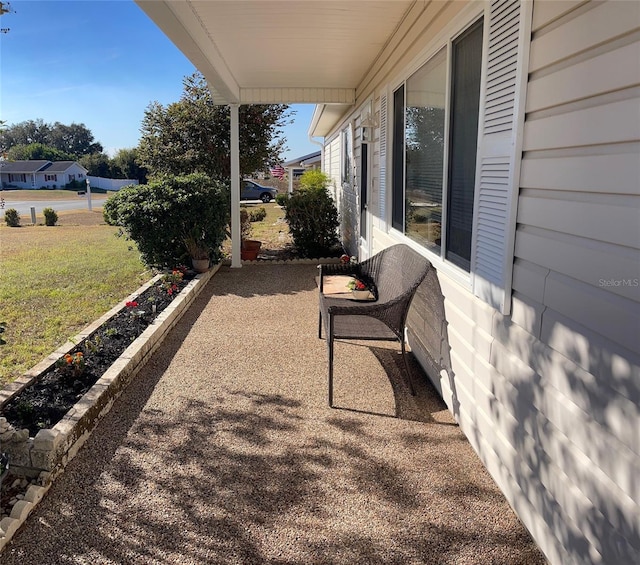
162	215
312	216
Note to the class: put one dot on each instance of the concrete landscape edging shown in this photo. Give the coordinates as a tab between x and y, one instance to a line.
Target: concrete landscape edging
46	455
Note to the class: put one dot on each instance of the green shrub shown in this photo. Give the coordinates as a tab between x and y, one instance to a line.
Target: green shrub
12	218
76	185
50	216
257	215
312	216
161	215
314	179
281	199
245	224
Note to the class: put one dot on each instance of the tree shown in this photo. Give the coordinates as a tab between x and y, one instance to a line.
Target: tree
193	134
97	165
75	139
125	165
36	151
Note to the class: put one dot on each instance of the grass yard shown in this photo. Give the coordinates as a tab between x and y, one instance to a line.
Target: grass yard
272	231
56	280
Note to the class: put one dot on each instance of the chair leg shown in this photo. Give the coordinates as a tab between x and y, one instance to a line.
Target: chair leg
406	367
330	351
319	324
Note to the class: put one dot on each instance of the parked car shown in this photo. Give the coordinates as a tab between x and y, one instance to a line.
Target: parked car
251	190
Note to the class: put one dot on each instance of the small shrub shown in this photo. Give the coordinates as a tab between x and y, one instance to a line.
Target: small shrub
12	218
245	224
312	216
257	215
50	216
281	199
314	179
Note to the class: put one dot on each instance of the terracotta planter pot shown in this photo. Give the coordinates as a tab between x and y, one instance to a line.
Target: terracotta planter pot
250	249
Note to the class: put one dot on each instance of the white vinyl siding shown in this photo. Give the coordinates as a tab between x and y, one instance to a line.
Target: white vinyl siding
577	271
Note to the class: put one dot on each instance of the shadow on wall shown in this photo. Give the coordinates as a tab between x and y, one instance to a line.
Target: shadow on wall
428	334
567	408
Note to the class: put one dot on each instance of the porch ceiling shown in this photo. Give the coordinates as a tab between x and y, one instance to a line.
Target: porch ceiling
264	51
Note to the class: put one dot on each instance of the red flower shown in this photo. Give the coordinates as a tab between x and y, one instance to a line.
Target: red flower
131	304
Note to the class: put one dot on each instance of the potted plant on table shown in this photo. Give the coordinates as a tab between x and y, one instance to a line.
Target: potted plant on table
359	289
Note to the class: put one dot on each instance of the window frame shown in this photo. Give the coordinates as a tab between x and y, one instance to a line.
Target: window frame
446	41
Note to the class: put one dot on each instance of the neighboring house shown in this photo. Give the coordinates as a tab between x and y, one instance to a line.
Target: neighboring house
40	174
296	167
501	139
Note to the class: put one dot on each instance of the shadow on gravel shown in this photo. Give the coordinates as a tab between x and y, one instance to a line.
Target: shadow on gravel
202	473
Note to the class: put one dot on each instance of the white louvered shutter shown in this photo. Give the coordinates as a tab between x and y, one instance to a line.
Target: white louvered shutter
382	182
507	37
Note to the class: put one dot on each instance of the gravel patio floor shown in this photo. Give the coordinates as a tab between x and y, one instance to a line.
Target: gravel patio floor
224	451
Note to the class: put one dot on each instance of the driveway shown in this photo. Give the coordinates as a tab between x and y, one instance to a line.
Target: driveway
24	206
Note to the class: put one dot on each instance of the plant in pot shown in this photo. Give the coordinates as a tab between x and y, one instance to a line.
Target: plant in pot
359	289
249	248
195	245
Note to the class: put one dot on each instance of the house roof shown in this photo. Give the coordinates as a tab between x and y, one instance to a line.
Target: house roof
274	51
37	166
61	166
23	166
305	159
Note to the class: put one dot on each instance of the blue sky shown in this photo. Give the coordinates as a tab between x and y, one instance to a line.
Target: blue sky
100	63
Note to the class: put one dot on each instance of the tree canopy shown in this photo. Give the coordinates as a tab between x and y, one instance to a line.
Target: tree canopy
193	134
35	151
73	140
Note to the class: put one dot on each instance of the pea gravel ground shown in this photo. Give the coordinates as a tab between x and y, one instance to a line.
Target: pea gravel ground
224	451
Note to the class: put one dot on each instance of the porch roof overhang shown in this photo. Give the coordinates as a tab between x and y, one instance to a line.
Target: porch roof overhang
323	52
274	51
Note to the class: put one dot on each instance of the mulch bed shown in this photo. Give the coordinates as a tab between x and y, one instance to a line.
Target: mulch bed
44	403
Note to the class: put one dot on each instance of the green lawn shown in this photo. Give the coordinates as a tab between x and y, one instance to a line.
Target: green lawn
56	280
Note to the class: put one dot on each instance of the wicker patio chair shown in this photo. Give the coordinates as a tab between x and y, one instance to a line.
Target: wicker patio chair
394	275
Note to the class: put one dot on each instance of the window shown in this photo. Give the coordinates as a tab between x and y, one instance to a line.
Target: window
72	178
431	205
347	161
17	177
50	177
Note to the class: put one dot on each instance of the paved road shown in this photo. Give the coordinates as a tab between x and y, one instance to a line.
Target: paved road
24	206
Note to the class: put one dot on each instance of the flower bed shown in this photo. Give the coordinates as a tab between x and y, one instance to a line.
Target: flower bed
44	452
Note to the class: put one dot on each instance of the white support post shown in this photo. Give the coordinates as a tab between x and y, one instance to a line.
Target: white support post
236	262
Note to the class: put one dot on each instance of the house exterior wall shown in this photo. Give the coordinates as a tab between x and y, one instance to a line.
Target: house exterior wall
548	394
331	165
16	180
